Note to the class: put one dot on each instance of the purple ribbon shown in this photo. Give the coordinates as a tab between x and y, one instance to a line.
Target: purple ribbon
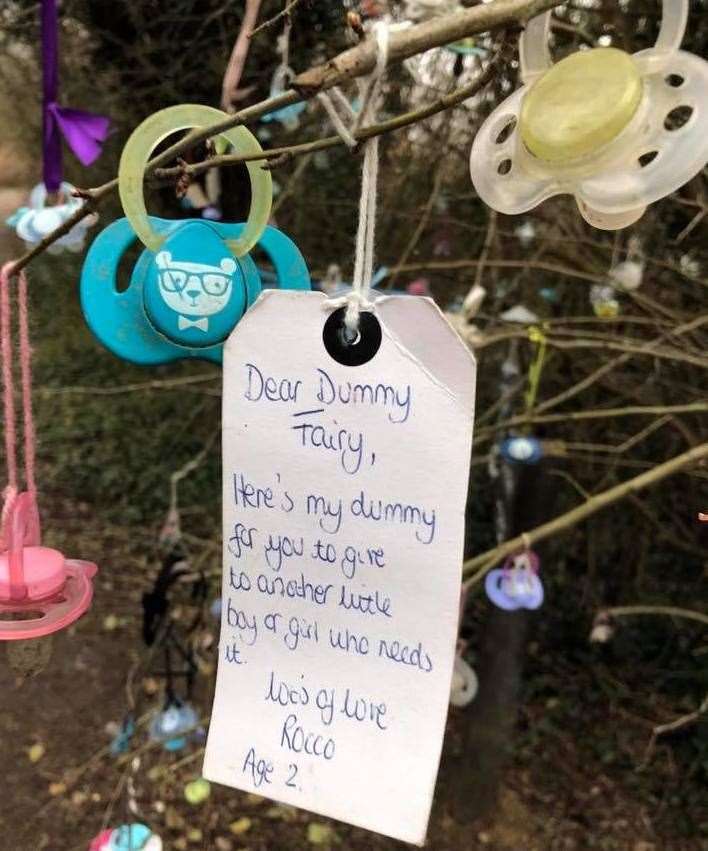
83	131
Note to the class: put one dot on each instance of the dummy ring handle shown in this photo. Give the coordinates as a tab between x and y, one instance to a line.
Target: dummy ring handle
535	56
155	129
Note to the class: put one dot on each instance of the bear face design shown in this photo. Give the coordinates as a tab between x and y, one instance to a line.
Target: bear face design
195	289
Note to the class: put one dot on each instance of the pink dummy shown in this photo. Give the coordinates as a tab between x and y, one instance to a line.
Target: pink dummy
41	591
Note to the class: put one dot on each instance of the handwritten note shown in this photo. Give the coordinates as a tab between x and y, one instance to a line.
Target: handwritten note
344	496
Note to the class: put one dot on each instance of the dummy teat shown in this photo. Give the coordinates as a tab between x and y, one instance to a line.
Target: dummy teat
602	125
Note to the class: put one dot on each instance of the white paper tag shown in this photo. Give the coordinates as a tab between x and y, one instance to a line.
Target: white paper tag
344	499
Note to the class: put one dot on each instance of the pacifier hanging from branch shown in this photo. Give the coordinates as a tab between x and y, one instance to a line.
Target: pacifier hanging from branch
464	685
516	585
521	449
41	591
177	722
175	725
168	625
618	131
84	132
288	116
629	273
34	222
604	301
195	279
164	628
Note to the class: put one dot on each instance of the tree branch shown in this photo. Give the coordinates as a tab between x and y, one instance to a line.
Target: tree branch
405	43
406	119
269	23
672	611
239	55
564	271
598	413
475	568
677	724
352	63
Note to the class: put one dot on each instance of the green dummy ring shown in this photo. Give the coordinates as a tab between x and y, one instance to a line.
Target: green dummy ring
148	135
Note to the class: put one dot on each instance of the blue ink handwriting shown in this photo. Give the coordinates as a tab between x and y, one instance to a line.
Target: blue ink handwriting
396	512
327	510
295	738
383	395
279	547
264	387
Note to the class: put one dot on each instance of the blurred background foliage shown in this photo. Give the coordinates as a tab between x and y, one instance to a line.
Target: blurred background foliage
107	452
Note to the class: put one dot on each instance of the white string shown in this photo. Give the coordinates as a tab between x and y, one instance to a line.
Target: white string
343	103
373	86
283	74
364	256
359	297
337	122
284	43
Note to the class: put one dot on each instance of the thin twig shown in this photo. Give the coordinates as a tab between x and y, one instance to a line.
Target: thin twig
565	271
637	347
586	382
489	236
475	568
677	724
269	23
156	384
288	190
672	611
419	228
595	414
239	54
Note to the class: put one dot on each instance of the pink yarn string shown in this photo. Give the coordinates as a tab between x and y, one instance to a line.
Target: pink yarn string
8	396
9	413
26	378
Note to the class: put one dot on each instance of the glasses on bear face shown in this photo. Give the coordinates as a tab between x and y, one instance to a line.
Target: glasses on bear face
176	280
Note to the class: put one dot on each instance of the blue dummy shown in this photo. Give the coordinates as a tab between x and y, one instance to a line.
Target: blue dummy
175	307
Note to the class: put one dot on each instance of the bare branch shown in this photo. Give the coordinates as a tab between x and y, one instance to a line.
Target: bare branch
269	23
596	414
671	726
671	611
406	119
405	43
352	63
239	54
476	568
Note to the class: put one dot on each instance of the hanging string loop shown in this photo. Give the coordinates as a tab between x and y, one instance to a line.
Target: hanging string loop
9	409
359	297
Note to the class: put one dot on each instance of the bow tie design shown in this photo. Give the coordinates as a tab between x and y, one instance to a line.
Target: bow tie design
202	324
